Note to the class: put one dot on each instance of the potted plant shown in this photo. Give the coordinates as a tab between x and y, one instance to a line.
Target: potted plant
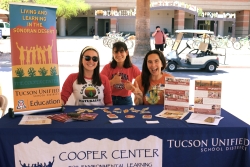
200	12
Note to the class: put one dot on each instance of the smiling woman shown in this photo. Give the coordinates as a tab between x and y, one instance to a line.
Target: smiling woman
88	86
120	73
149	86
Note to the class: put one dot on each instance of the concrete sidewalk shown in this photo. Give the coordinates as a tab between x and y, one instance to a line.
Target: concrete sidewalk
69	48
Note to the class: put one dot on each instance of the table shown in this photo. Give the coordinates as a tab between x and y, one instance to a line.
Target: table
227	144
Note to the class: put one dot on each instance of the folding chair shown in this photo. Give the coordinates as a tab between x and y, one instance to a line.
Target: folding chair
3	104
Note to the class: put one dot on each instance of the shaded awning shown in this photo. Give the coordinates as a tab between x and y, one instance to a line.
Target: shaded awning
2	11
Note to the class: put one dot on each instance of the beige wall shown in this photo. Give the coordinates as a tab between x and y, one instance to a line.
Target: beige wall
126	25
162	18
210	5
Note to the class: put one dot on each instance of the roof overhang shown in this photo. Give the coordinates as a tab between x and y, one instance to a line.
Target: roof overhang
2	11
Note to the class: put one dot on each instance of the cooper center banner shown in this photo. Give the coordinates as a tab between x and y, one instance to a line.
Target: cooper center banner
34	57
91	153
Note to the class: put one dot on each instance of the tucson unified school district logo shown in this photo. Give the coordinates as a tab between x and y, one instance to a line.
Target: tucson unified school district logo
212	145
20	105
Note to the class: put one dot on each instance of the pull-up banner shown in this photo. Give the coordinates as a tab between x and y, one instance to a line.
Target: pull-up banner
34	57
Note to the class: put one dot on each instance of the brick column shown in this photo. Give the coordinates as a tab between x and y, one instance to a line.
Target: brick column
113	22
242	23
4	17
179	20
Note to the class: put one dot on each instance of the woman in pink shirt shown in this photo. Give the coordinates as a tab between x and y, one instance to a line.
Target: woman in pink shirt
120	73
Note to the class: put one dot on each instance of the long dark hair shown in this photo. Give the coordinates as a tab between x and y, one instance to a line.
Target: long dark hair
145	75
96	80
119	46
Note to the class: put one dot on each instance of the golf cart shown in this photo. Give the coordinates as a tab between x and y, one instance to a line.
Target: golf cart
202	58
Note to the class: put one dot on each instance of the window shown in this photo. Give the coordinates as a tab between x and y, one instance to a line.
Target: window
7	25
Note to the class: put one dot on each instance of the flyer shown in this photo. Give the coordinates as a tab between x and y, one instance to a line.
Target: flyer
35	120
176	98
207	97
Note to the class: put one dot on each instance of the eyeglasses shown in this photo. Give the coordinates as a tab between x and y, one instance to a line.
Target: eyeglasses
94	58
121	51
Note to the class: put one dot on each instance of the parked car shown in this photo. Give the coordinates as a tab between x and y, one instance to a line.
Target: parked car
5	28
203	57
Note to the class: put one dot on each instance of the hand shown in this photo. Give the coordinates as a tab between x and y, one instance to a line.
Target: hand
135	89
62	102
138	94
128	85
116	79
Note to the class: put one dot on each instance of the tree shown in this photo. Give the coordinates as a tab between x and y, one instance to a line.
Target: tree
4	4
65	8
142	28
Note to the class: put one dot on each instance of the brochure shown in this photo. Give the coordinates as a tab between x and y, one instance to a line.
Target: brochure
176	101
69	117
172	114
207	97
62	117
35	120
204	119
83	116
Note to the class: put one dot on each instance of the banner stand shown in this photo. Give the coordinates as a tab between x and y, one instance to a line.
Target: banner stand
12	113
35	71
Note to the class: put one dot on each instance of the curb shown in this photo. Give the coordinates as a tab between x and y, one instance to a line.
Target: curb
228	66
233	66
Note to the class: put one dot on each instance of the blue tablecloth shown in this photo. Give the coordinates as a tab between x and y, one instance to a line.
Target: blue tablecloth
180	140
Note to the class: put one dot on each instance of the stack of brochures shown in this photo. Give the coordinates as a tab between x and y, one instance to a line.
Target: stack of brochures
206	119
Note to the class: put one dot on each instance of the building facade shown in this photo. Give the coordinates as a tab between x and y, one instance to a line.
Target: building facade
224	17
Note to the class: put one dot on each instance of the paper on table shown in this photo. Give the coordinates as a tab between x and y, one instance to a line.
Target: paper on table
172	114
199	119
116	121
35	120
152	122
